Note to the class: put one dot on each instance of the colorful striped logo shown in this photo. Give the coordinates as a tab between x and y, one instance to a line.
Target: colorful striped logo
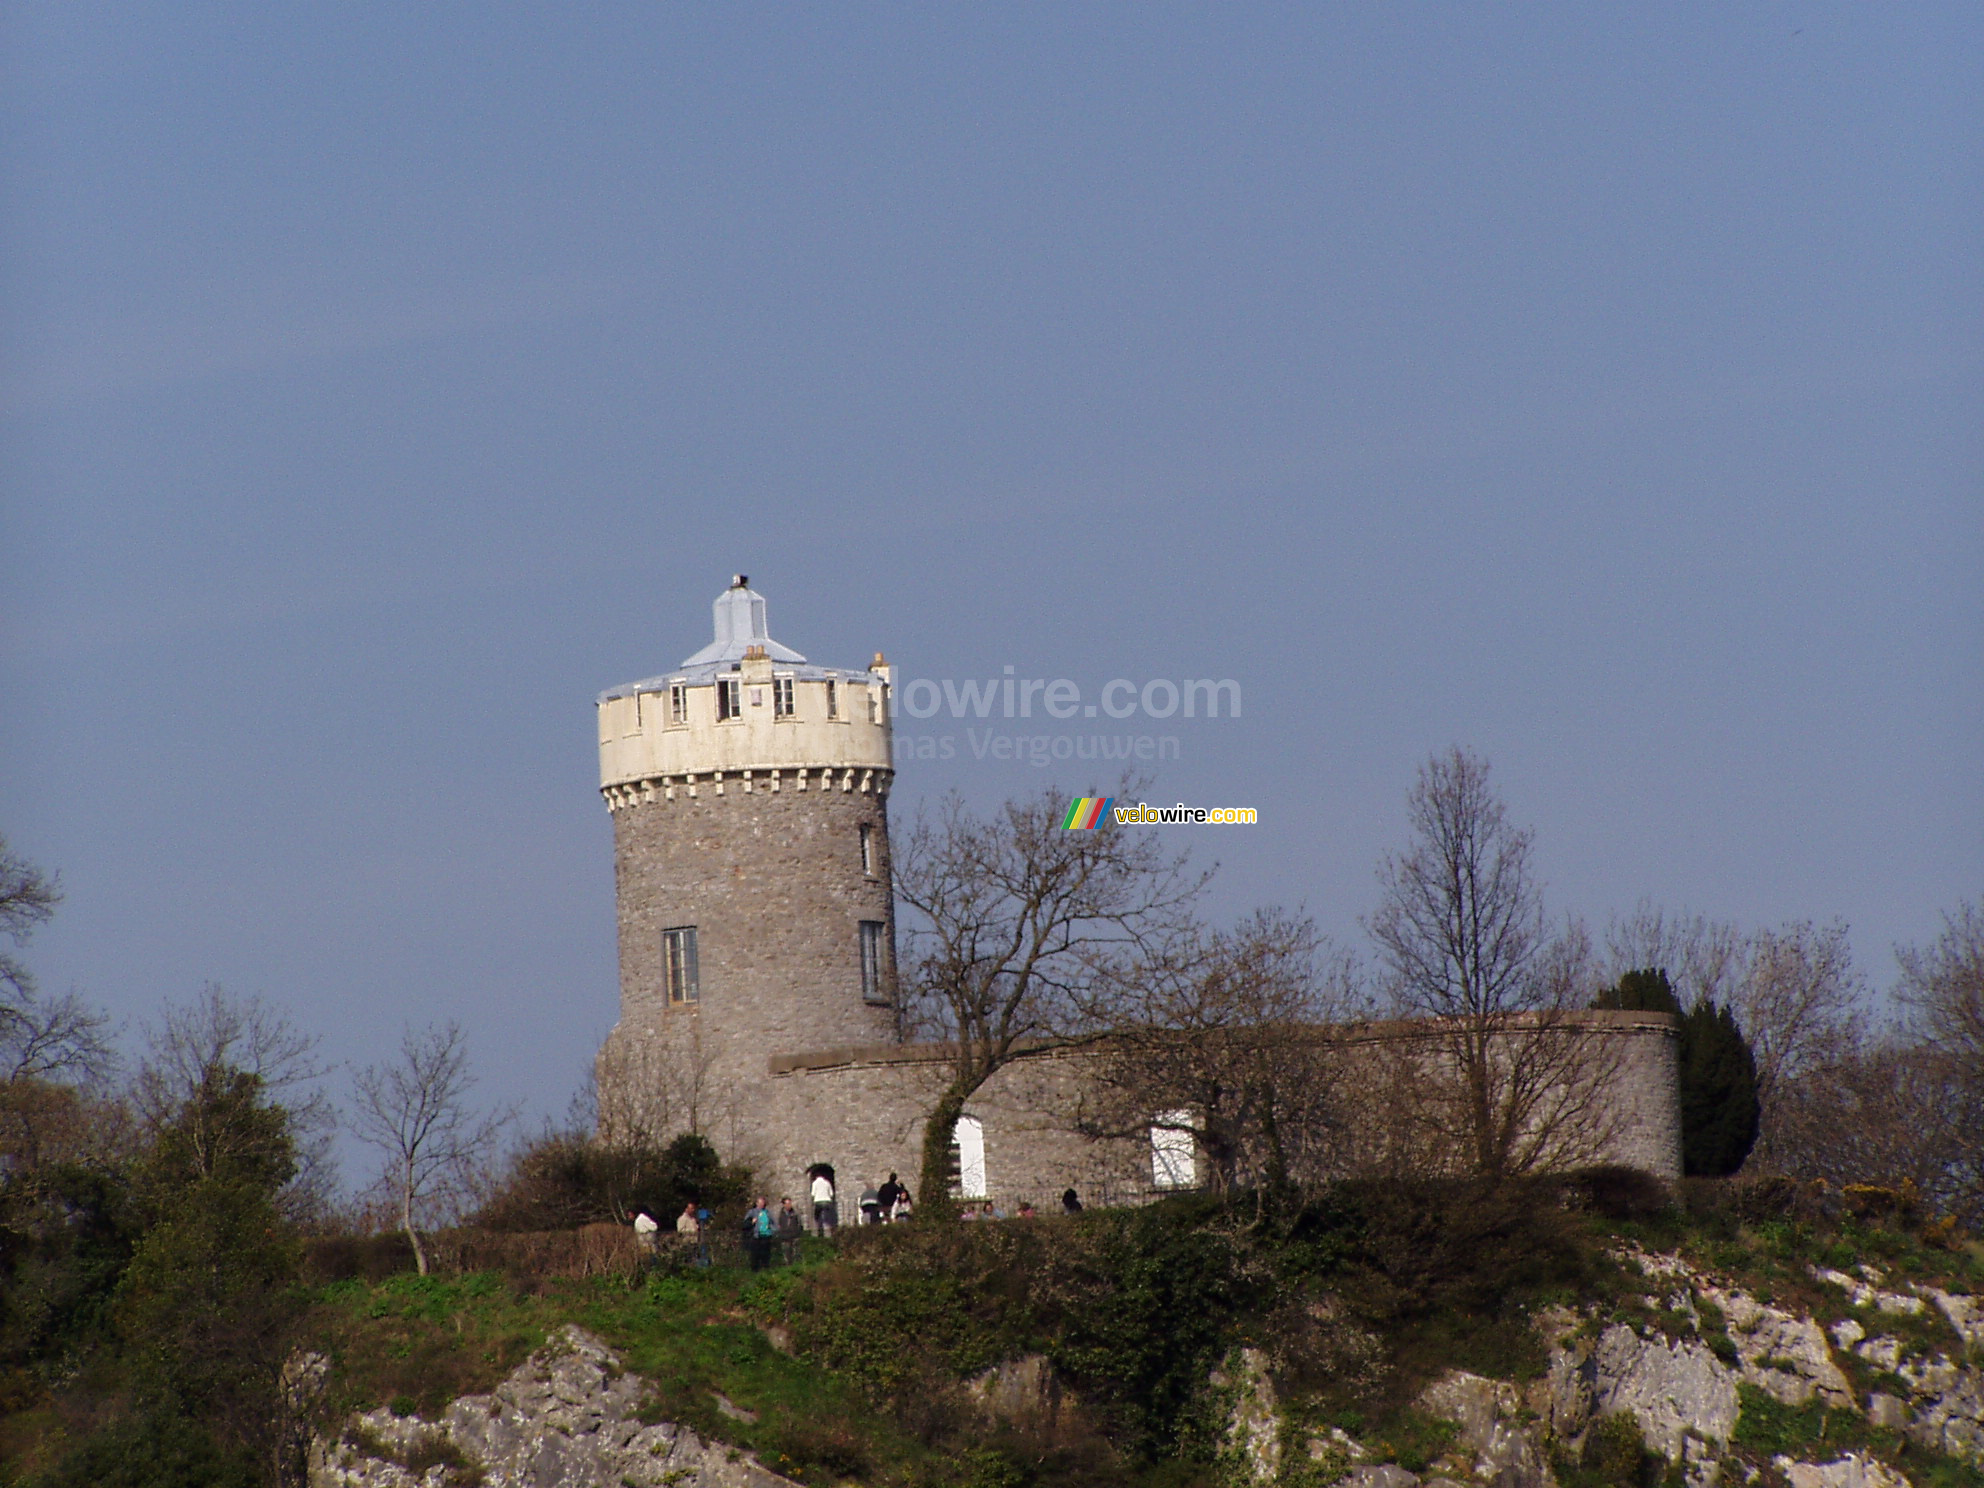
1087	813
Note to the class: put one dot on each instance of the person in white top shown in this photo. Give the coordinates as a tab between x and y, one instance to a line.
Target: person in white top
645	1229
823	1204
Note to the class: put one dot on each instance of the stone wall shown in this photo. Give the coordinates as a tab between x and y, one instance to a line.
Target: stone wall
774	884
861	1110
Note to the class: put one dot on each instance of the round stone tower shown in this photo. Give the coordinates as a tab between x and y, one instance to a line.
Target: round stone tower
749	794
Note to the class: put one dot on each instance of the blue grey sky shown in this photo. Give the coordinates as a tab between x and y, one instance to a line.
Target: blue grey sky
1595	386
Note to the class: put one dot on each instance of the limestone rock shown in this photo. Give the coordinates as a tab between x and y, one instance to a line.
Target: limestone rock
564	1419
1488	1414
1382	1475
1887	1412
1868	1293
1784	1355
1966	1315
1851	1471
1673	1390
1021	1391
1949	1414
1253	1424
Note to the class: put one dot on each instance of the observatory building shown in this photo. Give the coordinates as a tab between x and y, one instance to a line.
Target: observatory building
749	791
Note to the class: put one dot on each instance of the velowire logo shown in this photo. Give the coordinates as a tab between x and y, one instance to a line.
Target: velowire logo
1087	813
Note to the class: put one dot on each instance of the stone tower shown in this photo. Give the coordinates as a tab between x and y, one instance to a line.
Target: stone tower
749	793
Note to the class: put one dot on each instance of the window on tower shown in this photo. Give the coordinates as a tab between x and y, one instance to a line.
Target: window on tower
868	849
874	986
678	963
833	698
729	703
678	703
781	697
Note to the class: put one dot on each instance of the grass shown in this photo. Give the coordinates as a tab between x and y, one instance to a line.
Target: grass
420	1342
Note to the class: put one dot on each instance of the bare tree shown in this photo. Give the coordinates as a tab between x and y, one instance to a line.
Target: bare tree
415	1111
41	1037
1801	1003
1882	1111
1230	1039
655	1085
219	1031
54	1051
1703	958
27	899
1016	923
1944	989
1513	1073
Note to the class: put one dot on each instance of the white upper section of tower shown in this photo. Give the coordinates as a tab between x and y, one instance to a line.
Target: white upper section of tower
746	704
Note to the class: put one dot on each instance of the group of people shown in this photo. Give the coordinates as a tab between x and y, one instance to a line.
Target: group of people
884	1205
766	1228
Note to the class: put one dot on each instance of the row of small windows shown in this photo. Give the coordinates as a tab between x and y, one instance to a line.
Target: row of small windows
681	980
730	701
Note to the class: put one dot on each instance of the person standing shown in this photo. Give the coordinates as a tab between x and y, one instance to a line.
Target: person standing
885	1201
645	1231
1071	1202
823	1205
689	1234
871	1206
763	1226
790	1228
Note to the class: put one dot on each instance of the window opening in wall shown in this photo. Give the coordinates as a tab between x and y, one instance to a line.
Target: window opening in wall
781	697
873	986
728	705
874	702
968	1145
833	699
678	963
1173	1158
868	849
678	703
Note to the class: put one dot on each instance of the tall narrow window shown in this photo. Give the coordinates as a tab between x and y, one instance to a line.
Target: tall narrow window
833	698
678	703
868	849
874	702
678	963
781	697
728	703
1173	1156
874	962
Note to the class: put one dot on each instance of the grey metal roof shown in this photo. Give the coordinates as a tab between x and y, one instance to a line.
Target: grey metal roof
740	622
739	614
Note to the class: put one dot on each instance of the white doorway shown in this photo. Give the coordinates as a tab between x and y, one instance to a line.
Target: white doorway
970	1137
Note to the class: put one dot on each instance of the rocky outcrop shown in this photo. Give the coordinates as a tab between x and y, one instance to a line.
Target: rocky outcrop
1019	1392
1251	1452
1678	1382
1854	1470
1674	1391
565	1419
1497	1444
